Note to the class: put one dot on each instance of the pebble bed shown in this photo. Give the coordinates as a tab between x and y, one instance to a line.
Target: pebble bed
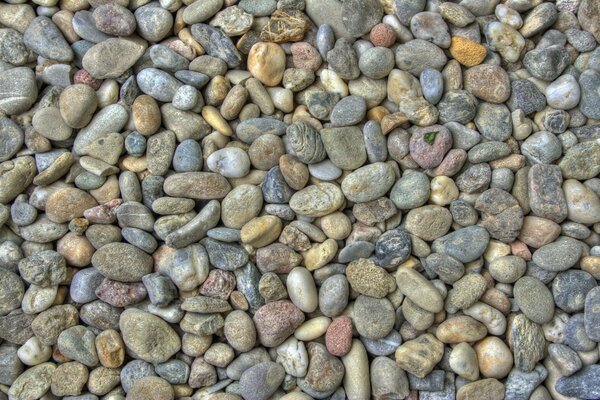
299	199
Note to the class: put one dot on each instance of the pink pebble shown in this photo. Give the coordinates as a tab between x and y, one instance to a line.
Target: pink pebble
382	35
338	337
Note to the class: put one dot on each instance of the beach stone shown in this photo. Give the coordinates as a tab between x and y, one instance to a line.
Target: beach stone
373	318
590	315
572	165
345	146
216	44
141	329
230	162
589	99
430	26
48	325
392	248
338	338
126	53
77	343
501	214
333	295
122	262
525	96
546	64
417	55
11	139
467	52
492	388
368	279
276	321
417	288
158	84
343	60
225	256
559	255
33	383
581	384
114	19
546	196
376	62
460	329
428	222
325	372
153	23
534	299
465	292
348	111
11	291
504	39
302	290
526	339
266	62
317	200
480	80
18	90
563	93
260	381
197	185
43	37
419	356
410	191
359	17
466	244
569	289
45	268
152	388
429	152
493	121
357	185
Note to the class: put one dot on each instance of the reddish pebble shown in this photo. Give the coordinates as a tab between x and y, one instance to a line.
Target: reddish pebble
103	214
382	35
276	321
82	76
520	249
305	56
219	284
120	294
338	337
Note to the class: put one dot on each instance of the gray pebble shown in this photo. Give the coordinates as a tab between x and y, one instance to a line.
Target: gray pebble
158	84
85	26
541	148
188	156
432	85
493	121
377	62
348	111
44	38
84	284
457	106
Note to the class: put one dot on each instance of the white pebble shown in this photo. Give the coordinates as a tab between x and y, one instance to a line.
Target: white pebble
302	290
33	352
231	162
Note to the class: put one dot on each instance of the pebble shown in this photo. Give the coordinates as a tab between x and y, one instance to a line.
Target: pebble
44	37
269	374
418	55
19	90
230	162
34	382
419	356
583	383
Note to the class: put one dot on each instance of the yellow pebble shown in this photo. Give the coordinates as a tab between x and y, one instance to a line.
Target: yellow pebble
320	254
467	52
261	231
214	119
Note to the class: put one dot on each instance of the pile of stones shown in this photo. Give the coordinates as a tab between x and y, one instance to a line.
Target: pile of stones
296	199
